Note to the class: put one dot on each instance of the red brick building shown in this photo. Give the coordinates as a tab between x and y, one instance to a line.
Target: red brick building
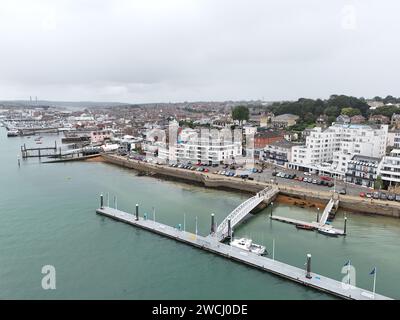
264	138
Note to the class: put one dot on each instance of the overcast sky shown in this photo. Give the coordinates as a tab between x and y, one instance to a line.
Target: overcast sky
187	50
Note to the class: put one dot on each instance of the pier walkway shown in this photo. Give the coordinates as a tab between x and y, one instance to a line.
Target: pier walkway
212	245
240	212
315	225
325	215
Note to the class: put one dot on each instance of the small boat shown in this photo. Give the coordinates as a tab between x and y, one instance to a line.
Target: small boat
328	231
248	245
304	227
12	133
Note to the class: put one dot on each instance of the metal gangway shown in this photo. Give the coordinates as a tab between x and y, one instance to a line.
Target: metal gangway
240	212
327	210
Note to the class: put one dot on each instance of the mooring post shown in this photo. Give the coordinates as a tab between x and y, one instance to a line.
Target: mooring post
19	161
212	223
272	207
137	212
101	202
115	202
145	216
229	229
55	145
308	269
345	226
317	214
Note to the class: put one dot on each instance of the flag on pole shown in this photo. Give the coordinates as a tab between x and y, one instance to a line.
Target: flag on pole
373	271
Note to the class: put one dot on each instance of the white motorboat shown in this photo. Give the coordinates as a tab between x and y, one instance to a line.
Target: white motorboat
328	231
12	133
248	245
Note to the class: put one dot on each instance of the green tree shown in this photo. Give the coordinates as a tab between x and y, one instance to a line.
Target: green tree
240	113
378	184
350	111
332	111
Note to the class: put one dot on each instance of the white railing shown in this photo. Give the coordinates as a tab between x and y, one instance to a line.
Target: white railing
326	212
243	210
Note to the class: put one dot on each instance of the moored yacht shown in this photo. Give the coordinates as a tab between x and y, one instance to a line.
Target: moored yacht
248	245
328	231
12	133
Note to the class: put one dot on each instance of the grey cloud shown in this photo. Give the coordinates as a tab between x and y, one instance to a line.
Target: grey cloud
156	50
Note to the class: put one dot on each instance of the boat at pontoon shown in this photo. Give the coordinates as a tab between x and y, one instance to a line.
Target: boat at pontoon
328	231
248	245
12	133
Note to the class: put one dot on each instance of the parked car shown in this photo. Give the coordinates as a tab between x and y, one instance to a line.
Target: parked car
326	178
383	196
362	194
391	197
376	195
307	173
342	191
397	197
250	178
368	195
314	181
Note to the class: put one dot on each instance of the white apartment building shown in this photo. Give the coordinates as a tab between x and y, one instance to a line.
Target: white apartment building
329	151
393	139
389	168
211	148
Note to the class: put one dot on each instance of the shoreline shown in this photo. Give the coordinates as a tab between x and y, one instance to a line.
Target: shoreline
304	196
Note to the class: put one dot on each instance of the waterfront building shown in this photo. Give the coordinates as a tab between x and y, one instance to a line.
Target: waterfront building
393	139
208	146
362	170
264	138
329	151
277	152
101	135
389	168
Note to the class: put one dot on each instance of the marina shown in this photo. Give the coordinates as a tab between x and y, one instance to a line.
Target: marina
83	182
303	276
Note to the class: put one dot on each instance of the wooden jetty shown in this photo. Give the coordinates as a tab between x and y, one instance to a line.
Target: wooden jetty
211	244
38	152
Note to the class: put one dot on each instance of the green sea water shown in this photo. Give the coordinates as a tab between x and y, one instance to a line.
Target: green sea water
47	217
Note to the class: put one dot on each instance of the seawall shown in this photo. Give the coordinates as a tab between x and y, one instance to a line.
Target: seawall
347	202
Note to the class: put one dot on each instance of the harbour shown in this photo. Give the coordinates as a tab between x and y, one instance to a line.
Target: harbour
66	230
212	244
